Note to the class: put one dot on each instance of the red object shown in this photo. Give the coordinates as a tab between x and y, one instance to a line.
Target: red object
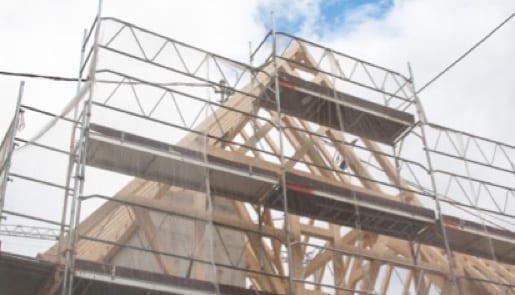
300	188
286	84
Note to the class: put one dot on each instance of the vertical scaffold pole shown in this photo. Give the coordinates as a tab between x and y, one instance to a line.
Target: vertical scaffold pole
207	181
261	210
79	176
9	144
423	121
72	157
291	289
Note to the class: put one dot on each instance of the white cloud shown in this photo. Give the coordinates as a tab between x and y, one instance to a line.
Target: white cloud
477	95
44	37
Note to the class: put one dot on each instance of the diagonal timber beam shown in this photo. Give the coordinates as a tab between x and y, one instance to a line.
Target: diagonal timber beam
145	222
255	138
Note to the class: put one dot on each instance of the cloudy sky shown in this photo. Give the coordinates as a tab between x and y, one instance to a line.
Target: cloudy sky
478	95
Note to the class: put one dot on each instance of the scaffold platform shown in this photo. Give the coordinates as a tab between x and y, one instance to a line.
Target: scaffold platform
257	183
334	109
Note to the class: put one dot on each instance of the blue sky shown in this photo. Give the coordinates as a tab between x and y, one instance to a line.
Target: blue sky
333	11
324	16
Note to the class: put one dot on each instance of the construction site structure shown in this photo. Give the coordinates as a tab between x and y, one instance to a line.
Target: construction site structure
303	171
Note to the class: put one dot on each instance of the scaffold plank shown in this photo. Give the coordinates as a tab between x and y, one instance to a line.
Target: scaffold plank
328	107
307	196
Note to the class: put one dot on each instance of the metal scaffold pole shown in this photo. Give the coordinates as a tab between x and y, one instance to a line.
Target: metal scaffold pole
291	289
438	213
9	144
210	227
79	174
72	156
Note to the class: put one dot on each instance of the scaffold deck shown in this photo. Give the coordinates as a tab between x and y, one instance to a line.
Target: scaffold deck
134	155
328	107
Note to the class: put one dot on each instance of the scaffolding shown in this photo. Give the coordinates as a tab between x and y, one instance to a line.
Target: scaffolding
305	171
